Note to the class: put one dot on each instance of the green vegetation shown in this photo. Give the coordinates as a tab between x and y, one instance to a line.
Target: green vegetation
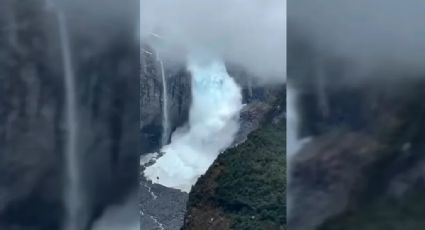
246	186
252	186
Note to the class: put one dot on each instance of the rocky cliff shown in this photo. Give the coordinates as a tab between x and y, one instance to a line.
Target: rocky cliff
161	206
363	167
31	120
32	129
152	98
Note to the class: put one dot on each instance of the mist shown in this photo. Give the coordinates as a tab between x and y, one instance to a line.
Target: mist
124	217
244	33
103	20
373	34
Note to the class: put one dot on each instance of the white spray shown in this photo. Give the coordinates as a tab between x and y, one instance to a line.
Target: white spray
74	203
213	122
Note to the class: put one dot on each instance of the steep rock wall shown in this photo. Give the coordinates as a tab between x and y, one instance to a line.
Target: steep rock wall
151	98
32	129
31	119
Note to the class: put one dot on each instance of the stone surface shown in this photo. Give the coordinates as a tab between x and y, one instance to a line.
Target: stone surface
32	129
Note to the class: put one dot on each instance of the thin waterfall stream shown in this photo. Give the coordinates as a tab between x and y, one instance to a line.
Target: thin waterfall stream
165	112
292	133
74	202
294	141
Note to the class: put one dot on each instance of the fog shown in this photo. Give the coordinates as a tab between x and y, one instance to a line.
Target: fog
251	34
120	217
386	34
103	20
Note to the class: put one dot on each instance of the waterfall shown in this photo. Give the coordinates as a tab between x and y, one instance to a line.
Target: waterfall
294	142
74	204
292	120
292	137
213	122
165	115
321	93
250	88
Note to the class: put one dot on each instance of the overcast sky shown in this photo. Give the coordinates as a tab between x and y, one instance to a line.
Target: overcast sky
249	33
101	19
370	31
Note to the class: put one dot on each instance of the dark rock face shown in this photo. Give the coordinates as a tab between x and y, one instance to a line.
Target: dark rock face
161	207
31	114
151	98
32	134
326	173
365	139
346	111
250	118
109	118
397	175
258	104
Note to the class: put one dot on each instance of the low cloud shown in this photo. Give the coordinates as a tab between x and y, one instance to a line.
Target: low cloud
101	20
384	34
251	34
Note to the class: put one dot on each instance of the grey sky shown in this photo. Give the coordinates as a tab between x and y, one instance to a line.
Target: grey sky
102	19
372	32
249	33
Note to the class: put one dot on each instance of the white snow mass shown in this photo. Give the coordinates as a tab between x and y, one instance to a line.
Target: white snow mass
213	122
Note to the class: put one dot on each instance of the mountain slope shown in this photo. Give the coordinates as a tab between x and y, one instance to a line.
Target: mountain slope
245	187
364	168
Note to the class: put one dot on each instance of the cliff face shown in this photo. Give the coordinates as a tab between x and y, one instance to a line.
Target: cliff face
398	174
32	112
108	96
245	187
151	98
161	206
365	159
